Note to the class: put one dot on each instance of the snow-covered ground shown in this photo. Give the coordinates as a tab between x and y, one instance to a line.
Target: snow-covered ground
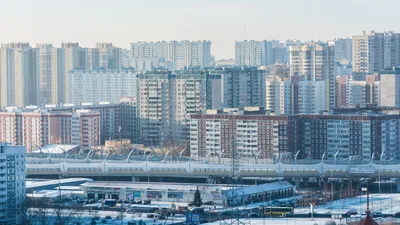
86	217
295	221
283	221
385	203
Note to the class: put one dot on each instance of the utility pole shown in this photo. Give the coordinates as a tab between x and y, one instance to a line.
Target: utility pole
236	189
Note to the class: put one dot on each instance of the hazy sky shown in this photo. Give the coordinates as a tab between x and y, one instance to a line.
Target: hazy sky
221	21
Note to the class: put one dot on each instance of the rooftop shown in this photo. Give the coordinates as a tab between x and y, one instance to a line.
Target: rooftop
260	188
154	186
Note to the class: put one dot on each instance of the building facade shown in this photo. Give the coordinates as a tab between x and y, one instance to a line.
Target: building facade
12	161
373	52
259	53
39	127
166	101
253	133
129	128
101	85
311	97
17	75
316	62
243	86
343	49
173	55
278	96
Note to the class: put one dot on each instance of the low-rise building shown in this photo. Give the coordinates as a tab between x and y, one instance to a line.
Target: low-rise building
184	193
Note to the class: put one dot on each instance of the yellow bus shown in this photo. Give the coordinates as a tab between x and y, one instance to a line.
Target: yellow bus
278	211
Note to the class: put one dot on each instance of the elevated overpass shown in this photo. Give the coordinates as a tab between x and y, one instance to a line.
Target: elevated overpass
187	168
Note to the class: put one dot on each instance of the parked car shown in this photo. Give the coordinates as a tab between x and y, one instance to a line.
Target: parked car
209	203
377	214
108	217
289	214
351	212
254	215
96	218
91	201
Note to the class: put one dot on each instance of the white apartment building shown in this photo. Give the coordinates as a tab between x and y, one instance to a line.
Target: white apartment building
72	60
153	108
343	69
85	128
174	55
12	183
356	93
316	62
389	90
17	72
253	53
49	73
166	101
278	96
101	85
311	97
373	52
260	53
187	96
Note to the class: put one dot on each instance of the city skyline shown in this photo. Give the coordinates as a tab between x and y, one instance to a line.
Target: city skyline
183	20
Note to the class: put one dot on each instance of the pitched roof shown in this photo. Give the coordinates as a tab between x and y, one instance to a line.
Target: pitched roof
368	220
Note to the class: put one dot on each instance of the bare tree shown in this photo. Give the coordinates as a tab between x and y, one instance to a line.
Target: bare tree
36	211
67	215
39	211
330	222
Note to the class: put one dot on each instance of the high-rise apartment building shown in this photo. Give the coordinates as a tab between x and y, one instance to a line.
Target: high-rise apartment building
356	93
49	73
295	96
253	53
213	89
311	97
173	55
278	96
166	101
259	53
243	86
17	75
343	49
373	52
187	96
129	128
389	88
316	62
12	185
72	60
85	128
154	107
101	85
